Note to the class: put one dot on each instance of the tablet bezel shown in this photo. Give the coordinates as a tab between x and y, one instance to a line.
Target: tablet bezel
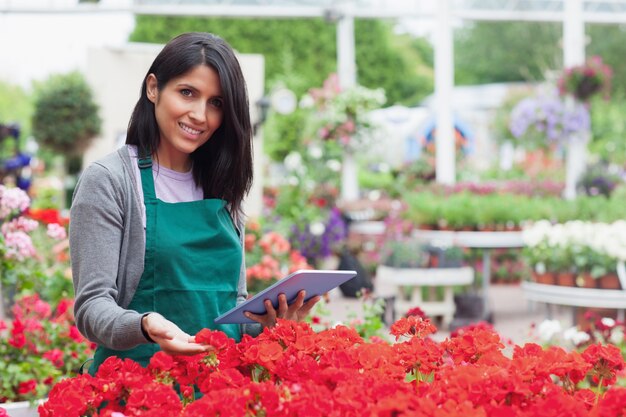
313	281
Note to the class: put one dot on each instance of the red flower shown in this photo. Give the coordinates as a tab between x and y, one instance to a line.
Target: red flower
161	361
47	216
27	387
412	326
214	338
55	356
606	361
613	403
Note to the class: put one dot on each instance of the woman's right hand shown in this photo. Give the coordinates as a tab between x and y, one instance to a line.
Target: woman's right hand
170	337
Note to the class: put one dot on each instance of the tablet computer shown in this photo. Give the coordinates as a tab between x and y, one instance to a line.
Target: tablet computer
314	282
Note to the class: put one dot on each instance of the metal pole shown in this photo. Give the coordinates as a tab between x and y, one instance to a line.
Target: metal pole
346	61
346	71
574	54
444	82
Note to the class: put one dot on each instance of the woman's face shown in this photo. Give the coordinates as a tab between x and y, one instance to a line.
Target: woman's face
188	111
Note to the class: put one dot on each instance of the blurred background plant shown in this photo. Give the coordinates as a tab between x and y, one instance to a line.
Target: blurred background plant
600	179
584	81
269	257
40	346
543	121
33	250
341	114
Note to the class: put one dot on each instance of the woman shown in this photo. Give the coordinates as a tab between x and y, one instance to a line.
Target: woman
157	226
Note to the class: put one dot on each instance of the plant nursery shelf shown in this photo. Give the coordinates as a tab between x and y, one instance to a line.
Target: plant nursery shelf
574	296
391	280
22	408
478	240
486	240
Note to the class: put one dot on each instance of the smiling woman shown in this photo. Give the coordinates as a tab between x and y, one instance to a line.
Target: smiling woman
157	226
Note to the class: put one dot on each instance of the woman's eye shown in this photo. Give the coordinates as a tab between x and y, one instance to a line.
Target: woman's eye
186	92
217	102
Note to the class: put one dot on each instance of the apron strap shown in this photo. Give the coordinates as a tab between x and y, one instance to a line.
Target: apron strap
150	203
147	181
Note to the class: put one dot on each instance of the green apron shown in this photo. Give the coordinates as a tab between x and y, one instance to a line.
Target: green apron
191	270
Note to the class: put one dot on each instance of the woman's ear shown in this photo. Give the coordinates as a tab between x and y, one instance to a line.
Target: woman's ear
152	90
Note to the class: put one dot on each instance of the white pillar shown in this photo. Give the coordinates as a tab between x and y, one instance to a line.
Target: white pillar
346	71
346	60
573	33
574	54
444	82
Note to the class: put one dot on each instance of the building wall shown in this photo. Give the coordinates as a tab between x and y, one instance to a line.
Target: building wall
116	74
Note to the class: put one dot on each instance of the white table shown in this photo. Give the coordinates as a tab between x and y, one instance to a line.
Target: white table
475	240
576	297
390	281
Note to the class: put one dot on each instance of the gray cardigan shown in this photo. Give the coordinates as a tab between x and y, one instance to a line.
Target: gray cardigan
107	247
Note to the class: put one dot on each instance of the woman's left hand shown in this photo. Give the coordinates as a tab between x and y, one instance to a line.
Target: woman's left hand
297	310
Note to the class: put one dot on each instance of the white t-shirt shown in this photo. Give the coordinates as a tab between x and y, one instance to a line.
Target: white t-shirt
169	185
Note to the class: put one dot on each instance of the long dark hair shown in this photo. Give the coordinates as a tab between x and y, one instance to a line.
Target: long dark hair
223	165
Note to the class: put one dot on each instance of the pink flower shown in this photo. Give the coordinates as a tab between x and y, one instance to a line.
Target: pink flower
56	231
19	246
11	200
20	224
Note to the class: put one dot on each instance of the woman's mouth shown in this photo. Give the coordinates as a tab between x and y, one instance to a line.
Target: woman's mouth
189	130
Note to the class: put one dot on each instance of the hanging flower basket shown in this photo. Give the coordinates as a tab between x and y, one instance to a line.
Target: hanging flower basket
585	81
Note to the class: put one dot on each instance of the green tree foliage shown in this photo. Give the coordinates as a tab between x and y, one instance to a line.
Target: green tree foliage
66	117
307	47
607	41
15	107
608	127
487	52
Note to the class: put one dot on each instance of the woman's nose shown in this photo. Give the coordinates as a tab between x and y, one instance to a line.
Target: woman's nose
198	112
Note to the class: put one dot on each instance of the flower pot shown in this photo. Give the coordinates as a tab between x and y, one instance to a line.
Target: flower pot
566	279
585	280
543	278
22	408
609	282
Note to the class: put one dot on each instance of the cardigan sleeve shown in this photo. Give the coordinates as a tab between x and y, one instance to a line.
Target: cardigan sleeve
96	233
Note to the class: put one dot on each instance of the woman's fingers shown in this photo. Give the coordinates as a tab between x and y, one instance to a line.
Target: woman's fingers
282	306
306	308
297	310
296	305
181	347
268	319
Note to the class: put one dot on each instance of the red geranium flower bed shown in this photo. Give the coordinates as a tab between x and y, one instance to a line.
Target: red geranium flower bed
292	371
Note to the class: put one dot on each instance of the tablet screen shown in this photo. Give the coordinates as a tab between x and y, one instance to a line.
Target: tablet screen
314	282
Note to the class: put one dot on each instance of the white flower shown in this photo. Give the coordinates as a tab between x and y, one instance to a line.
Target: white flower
333	165
608	322
617	336
575	336
315	152
293	161
536	233
548	328
293	180
306	102
317	228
